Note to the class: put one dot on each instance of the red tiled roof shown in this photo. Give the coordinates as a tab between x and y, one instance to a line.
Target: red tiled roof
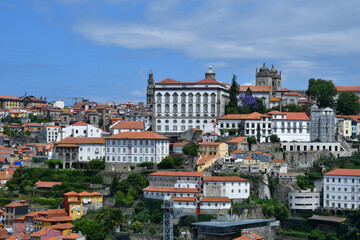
44	184
74	200
250	236
297	116
348	88
255	88
283	90
277	160
225	179
80	123
356	118
183	199
129	125
180	144
82	140
344	172
237	140
168	81
177	174
137	135
275	99
208	80
204	160
72	193
210	143
15	204
174	190
237	151
212	133
252	116
62	226
70	236
6	152
215	199
293	94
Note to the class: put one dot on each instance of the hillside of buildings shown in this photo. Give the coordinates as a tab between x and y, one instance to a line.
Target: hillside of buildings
261	159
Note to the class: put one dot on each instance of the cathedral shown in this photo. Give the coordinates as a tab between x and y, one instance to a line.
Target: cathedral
269	77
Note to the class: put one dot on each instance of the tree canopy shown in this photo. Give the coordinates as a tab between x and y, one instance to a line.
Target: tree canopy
232	107
322	92
248	103
348	103
191	150
96	164
52	163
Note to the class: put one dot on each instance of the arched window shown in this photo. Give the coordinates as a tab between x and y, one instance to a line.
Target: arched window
167	108
175	108
159	108
197	108
212	108
183	98
175	97
198	97
158	96
205	97
205	108
213	98
183	109
190	110
167	98
190	97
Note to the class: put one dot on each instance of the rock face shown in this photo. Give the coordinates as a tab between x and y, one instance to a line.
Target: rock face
282	190
264	191
251	213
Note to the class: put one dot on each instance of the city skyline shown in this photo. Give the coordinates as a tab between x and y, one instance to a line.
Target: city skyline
104	51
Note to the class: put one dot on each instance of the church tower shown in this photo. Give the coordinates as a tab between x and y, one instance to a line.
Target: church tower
210	74
268	77
150	89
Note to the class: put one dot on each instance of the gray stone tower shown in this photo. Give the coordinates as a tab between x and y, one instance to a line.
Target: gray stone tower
150	89
210	74
94	118
65	118
268	77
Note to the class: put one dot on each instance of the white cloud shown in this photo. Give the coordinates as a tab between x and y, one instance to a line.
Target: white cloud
248	83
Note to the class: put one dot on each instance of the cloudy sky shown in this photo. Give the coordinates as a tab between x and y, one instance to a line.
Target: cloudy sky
103	50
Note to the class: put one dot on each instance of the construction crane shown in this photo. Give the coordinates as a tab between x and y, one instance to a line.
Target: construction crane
75	98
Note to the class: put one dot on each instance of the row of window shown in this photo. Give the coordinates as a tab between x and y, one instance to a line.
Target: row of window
340	205
137	150
129	159
135	142
190	97
190	108
291	131
341	198
340	180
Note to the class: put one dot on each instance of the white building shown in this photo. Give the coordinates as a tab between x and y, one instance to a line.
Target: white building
261	92
303	200
79	129
127	126
58	103
231	187
291	126
50	132
179	106
278	166
136	147
75	152
248	124
341	189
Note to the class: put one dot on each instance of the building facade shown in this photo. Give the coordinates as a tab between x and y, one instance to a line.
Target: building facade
179	106
268	77
303	200
322	125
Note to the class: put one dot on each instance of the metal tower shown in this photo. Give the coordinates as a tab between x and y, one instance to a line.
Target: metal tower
169	214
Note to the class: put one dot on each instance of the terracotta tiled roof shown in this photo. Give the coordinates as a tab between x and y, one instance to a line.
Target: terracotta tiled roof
356	118
62	226
70	236
177	174
224	179
180	144
344	172
252	116
277	160
174	190
212	133
237	151
15	204
208	80
348	88
210	143
250	236
168	81
129	125
283	90
43	184
72	193
215	199
6	152
137	135
297	116
255	88
275	99
67	145
82	140
85	194
293	94
183	199
80	123
237	140
204	160
74	200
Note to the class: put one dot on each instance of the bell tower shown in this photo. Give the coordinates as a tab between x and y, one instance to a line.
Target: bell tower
150	89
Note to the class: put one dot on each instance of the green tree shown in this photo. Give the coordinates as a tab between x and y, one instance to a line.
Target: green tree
262	107
189	220
114	187
348	103
166	163
137	226
322	91
96	164
90	228
109	218
119	197
292	108
274	138
148	165
232	107
52	163
316	234
191	150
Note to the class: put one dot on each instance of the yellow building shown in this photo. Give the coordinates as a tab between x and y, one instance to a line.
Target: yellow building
209	153
10	102
77	204
347	128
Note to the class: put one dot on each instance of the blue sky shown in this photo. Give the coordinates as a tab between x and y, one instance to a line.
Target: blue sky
103	50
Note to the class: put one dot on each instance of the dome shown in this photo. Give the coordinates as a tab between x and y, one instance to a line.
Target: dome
210	70
264	68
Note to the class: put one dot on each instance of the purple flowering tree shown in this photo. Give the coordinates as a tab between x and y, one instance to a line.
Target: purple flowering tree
248	103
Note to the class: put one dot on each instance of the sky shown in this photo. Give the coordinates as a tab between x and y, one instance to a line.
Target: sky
104	50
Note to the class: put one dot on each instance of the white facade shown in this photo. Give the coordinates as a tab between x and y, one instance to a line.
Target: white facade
58	103
225	187
136	147
127	126
166	193
341	189
212	205
50	133
304	200
180	106
291	127
88	152
79	129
